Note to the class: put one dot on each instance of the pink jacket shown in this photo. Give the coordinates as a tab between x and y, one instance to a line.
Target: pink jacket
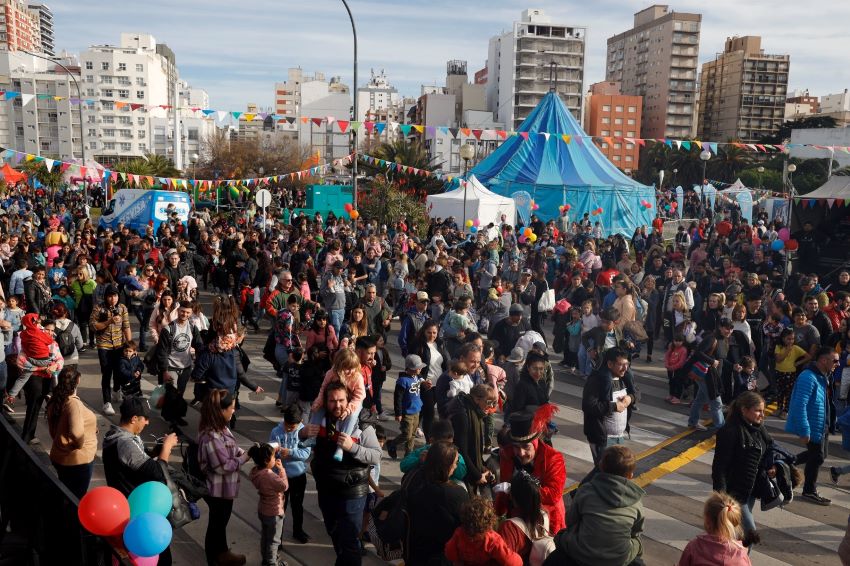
270	488
708	550
358	394
675	358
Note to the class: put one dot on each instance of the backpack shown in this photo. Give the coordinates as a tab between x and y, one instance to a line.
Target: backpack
542	547
194	475
66	341
389	527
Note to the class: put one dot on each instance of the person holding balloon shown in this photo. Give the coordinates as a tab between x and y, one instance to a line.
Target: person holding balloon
127	467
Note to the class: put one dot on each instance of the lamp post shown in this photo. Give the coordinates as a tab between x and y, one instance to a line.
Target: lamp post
79	110
194	157
760	170
467	152
791	168
674	177
354	117
705	155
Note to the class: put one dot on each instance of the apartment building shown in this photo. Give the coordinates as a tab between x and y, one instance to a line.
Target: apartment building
20	27
742	92
43	14
523	64
613	115
657	60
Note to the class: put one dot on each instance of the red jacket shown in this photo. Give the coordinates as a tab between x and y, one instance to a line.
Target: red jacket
488	549
35	342
835	315
550	469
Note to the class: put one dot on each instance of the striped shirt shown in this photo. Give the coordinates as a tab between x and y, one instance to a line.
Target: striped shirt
111	337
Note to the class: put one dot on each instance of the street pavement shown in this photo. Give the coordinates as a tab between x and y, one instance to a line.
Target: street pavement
674	468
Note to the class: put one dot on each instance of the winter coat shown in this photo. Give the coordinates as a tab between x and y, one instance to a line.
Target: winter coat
487	549
295	463
596	402
605	522
708	550
808	411
468	422
738	456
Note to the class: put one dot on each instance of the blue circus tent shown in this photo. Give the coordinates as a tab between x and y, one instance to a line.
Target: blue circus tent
555	173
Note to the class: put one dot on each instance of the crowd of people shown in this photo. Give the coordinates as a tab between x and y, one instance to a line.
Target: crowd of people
480	319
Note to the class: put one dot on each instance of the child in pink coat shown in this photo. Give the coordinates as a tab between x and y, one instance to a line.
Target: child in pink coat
346	368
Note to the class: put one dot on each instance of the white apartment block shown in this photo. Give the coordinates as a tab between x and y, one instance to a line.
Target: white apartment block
376	96
44	16
132	73
524	63
43	126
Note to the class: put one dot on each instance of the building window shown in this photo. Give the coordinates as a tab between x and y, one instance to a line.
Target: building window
92	132
140	134
126	147
618	120
128	120
618	133
606	108
630	121
109	146
106	105
140	94
192	134
618	109
90	92
630	146
124	81
109	132
107	92
632	109
140	120
629	159
618	146
91	119
89	65
109	119
125	134
140	68
606	120
106	79
122	66
89	78
140	81
143	148
630	134
104	66
604	133
123	94
604	145
616	158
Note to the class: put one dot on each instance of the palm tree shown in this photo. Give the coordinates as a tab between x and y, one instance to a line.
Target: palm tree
410	154
727	165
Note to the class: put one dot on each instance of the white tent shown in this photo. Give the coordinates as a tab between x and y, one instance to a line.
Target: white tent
481	204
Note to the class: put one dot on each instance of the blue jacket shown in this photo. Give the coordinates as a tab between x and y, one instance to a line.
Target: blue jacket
807	414
410	325
218	369
406	398
295	463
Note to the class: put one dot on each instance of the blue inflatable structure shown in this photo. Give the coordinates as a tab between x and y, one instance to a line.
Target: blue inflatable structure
556	173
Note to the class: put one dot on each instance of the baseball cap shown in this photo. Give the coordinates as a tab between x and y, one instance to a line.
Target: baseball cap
110	290
517	355
171	252
539	346
516	308
413	362
422	296
134	406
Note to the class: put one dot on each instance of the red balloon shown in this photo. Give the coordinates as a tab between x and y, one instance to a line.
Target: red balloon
348	207
567	207
724	228
104	511
756	241
792	245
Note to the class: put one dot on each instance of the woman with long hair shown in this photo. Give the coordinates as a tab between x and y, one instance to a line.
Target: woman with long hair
163	314
527	521
220	457
73	428
430	348
83	290
742	443
354	328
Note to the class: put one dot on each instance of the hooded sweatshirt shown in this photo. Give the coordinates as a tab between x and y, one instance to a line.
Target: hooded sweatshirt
270	487
605	522
125	462
35	341
709	550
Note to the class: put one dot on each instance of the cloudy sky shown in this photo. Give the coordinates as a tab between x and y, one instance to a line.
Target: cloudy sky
237	50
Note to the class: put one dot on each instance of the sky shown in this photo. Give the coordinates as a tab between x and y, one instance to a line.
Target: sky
237	51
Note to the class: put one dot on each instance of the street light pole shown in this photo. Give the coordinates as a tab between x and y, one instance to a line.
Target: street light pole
791	168
705	155
354	93
79	110
467	152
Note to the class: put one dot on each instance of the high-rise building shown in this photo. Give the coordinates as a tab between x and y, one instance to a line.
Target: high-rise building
657	59
134	72
20	27
377	95
300	88
613	115
45	26
526	62
742	92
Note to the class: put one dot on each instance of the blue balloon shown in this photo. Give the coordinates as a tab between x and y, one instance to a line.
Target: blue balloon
147	535
473	229
150	497
776	246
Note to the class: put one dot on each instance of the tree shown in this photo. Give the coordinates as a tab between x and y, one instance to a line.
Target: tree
223	158
382	201
769	179
411	154
51	179
727	165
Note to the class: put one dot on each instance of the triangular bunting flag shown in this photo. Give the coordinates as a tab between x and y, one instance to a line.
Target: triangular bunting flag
524	135
419	128
566	138
249	117
686	145
304	120
48	164
343	125
430	131
370	126
380	127
355	125
236	115
454	132
26	99
502	134
317	121
830	202
466	131
477	134
405	129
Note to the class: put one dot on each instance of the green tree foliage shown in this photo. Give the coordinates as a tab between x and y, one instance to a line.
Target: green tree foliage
51	179
387	203
409	153
783	134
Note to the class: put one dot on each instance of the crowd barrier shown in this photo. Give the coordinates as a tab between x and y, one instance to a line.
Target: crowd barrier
38	515
672	226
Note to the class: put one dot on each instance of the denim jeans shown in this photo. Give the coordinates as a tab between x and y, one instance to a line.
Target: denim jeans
270	530
4	376
343	519
748	522
336	318
715	407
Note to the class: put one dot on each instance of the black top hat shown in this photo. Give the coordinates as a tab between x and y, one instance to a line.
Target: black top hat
522	427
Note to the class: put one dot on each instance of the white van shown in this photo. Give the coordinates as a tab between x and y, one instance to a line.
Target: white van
139	208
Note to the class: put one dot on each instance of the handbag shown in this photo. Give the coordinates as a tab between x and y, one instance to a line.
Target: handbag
181	511
698	371
547	301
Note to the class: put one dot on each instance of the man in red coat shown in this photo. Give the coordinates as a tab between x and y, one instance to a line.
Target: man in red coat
522	449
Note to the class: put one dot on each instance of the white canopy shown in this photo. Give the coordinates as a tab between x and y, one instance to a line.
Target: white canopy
481	204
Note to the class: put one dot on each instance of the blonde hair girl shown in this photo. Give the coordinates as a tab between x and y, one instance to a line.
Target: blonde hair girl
345	369
721	518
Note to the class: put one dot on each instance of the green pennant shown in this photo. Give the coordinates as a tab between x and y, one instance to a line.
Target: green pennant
354	126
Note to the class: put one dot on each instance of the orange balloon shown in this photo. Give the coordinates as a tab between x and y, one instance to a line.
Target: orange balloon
354	214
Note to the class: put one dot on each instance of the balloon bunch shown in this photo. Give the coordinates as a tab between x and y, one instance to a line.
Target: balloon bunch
564	208
138	521
352	212
528	235
784	241
534	205
596	212
646	204
472	225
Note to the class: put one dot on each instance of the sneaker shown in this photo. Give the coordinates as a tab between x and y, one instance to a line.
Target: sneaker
419	433
82	350
649	359
392	450
816	498
698	426
116	397
196	403
834	474
108	410
675	401
8	406
301	537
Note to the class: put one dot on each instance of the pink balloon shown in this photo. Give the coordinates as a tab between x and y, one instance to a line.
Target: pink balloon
522	239
784	234
144	560
476	222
